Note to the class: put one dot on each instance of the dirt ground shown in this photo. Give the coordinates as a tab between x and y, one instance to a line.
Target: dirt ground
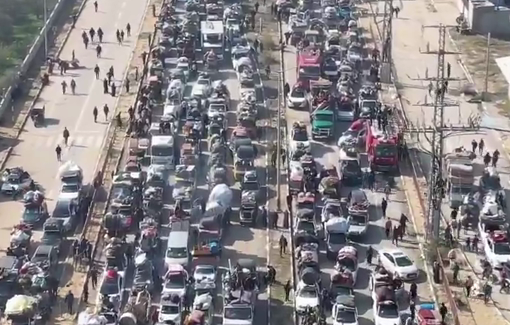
474	54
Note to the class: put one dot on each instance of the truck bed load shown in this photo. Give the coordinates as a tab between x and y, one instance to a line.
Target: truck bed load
337	225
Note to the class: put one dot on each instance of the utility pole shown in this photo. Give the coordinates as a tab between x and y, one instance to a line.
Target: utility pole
387	39
437	183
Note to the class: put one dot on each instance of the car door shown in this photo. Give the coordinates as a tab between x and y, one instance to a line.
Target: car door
390	262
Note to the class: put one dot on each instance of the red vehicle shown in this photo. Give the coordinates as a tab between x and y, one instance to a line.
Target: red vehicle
382	149
309	65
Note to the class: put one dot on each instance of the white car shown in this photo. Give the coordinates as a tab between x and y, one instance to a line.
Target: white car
396	262
205	273
239	52
307	296
169	310
202	88
495	246
345	312
297	98
70	191
176	281
386	313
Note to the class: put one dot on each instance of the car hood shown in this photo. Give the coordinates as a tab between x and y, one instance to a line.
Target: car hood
357	229
322	124
301	302
169	317
407	269
297	100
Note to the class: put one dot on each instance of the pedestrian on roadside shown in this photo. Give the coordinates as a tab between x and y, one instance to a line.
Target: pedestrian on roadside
58	151
64	87
387	228
287	37
86	293
283	245
93	277
475	244
106	110
289	202
69	300
431	88
65	135
128	29
481	146
412	309
474	145
95	113
396	10
96	71
127	85
468	285
95	6
396	235
287	287
443	311
384	206
448	70
370	254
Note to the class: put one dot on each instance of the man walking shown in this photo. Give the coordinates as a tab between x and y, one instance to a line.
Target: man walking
66	135
384	206
69	300
283	245
58	151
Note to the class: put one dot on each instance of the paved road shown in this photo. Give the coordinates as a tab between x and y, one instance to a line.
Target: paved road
327	155
36	148
411	64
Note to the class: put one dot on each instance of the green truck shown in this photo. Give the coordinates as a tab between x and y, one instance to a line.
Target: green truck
323	123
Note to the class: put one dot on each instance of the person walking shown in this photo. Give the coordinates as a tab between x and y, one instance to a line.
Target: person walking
387	228
287	287
443	311
95	113
283	245
384	206
370	255
495	158
66	135
95	6
474	145
69	300
128	29
468	285
96	71
127	85
105	85
395	237
64	87
85	294
481	146
58	151
73	86
106	110
99	49
93	277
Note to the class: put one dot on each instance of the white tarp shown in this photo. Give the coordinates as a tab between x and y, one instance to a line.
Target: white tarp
20	305
88	318
337	225
221	193
68	166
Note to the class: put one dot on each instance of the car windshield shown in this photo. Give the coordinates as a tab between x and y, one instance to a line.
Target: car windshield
110	286
203	81
310	70
308	292
306	226
297	93
324	117
241	313
358	220
240	54
337	239
50	236
70	188
502	249
175	281
30	214
368	105
251	186
301	135
403	261
176	252
345	316
115	263
39	258
386	150
171	310
205	271
358	197
348	264
388	311
162	151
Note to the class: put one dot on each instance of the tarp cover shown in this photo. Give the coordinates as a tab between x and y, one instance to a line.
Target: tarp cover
307	214
88	318
337	225
221	193
348	250
20	305
385	293
309	276
209	223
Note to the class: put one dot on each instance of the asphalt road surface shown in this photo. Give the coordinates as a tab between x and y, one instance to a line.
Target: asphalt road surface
35	151
326	154
411	64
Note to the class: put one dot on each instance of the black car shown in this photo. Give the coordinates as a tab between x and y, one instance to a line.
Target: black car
46	257
53	233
